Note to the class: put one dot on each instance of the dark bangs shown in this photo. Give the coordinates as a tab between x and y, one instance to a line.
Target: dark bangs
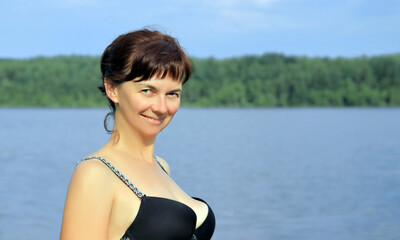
161	58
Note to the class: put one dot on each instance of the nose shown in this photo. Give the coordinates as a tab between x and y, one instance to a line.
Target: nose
160	105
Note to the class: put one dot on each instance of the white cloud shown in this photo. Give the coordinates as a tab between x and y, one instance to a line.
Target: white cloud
236	16
247	21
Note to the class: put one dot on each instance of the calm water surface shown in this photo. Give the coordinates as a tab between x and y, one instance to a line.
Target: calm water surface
267	173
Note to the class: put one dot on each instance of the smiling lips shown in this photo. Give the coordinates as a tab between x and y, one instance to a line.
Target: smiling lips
153	120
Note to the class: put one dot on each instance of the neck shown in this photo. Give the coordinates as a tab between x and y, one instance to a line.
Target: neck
129	141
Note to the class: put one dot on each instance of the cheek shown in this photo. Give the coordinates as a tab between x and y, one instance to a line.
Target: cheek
135	104
173	107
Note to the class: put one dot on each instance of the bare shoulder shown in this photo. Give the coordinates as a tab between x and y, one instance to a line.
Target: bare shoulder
89	201
164	164
92	172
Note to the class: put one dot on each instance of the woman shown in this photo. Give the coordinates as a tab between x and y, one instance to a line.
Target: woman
122	191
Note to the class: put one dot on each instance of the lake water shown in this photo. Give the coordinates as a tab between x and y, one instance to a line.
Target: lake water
301	173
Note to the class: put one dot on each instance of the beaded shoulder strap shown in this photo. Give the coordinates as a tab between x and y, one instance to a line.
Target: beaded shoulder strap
159	163
118	173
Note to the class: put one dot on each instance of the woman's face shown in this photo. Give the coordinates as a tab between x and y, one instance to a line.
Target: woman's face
148	106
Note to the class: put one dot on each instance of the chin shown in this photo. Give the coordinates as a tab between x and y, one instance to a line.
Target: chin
150	133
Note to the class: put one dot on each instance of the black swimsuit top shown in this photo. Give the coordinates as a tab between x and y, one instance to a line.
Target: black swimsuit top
162	218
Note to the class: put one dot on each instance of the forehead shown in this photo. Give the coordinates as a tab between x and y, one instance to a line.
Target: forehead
160	82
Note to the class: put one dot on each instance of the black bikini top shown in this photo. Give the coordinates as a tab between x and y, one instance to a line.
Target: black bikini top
162	218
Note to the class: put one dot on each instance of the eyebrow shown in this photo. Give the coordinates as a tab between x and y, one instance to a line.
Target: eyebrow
152	87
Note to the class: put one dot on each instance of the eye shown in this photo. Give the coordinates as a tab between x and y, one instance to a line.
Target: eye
174	94
146	91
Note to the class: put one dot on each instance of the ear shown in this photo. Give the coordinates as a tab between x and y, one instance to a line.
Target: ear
111	90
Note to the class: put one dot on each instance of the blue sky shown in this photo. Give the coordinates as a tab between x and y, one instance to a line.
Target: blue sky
218	28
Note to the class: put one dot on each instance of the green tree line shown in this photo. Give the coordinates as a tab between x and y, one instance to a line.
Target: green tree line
267	80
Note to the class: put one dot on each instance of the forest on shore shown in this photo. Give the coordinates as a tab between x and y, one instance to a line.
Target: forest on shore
272	80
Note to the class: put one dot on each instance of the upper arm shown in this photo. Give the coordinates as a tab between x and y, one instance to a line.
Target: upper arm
88	204
164	164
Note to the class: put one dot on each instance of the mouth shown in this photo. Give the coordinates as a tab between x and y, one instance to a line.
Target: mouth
153	120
